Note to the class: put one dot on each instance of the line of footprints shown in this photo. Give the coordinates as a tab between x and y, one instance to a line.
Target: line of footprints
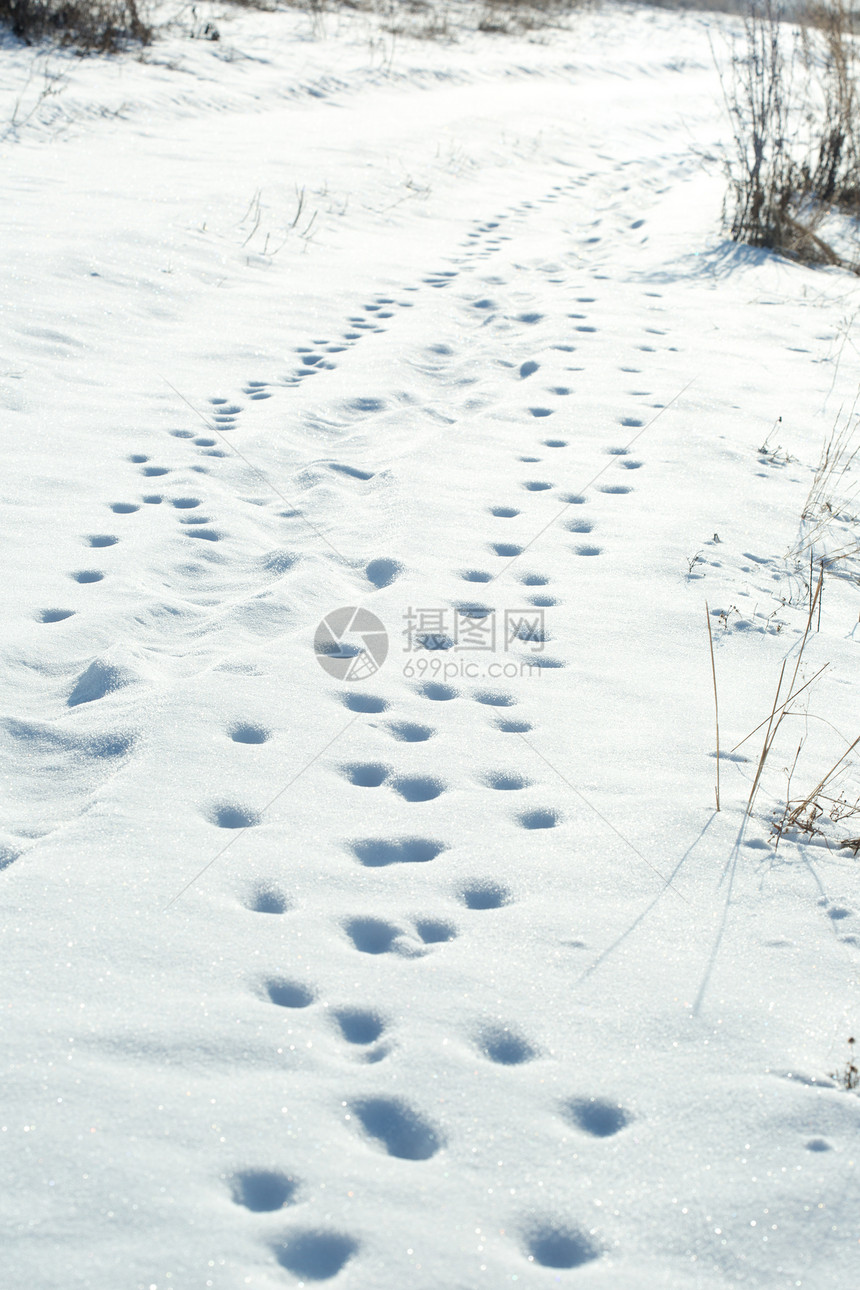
392	1124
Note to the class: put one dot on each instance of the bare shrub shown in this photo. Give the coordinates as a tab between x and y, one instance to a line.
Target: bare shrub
794	168
102	26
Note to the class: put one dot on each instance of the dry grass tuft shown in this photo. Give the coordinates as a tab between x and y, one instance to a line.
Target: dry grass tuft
793	97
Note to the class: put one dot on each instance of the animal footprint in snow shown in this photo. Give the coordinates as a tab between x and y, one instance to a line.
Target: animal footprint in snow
485	893
541	819
360	1026
366	774
376	853
513	727
597	1116
507	549
263	1190
437	692
289	994
246	732
537	485
557	1245
494	698
418	788
207	535
124	508
505	1046
266	898
375	936
315	1255
506	781
411	732
53	615
435	931
363	702
230	815
397	1127
382	572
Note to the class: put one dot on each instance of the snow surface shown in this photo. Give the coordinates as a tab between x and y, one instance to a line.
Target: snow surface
486	992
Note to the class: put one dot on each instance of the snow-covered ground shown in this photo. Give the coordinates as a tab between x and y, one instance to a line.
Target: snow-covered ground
486	992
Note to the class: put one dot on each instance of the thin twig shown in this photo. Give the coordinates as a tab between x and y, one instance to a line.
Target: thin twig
716	702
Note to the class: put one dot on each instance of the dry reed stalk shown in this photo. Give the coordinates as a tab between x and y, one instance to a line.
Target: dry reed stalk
716	701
